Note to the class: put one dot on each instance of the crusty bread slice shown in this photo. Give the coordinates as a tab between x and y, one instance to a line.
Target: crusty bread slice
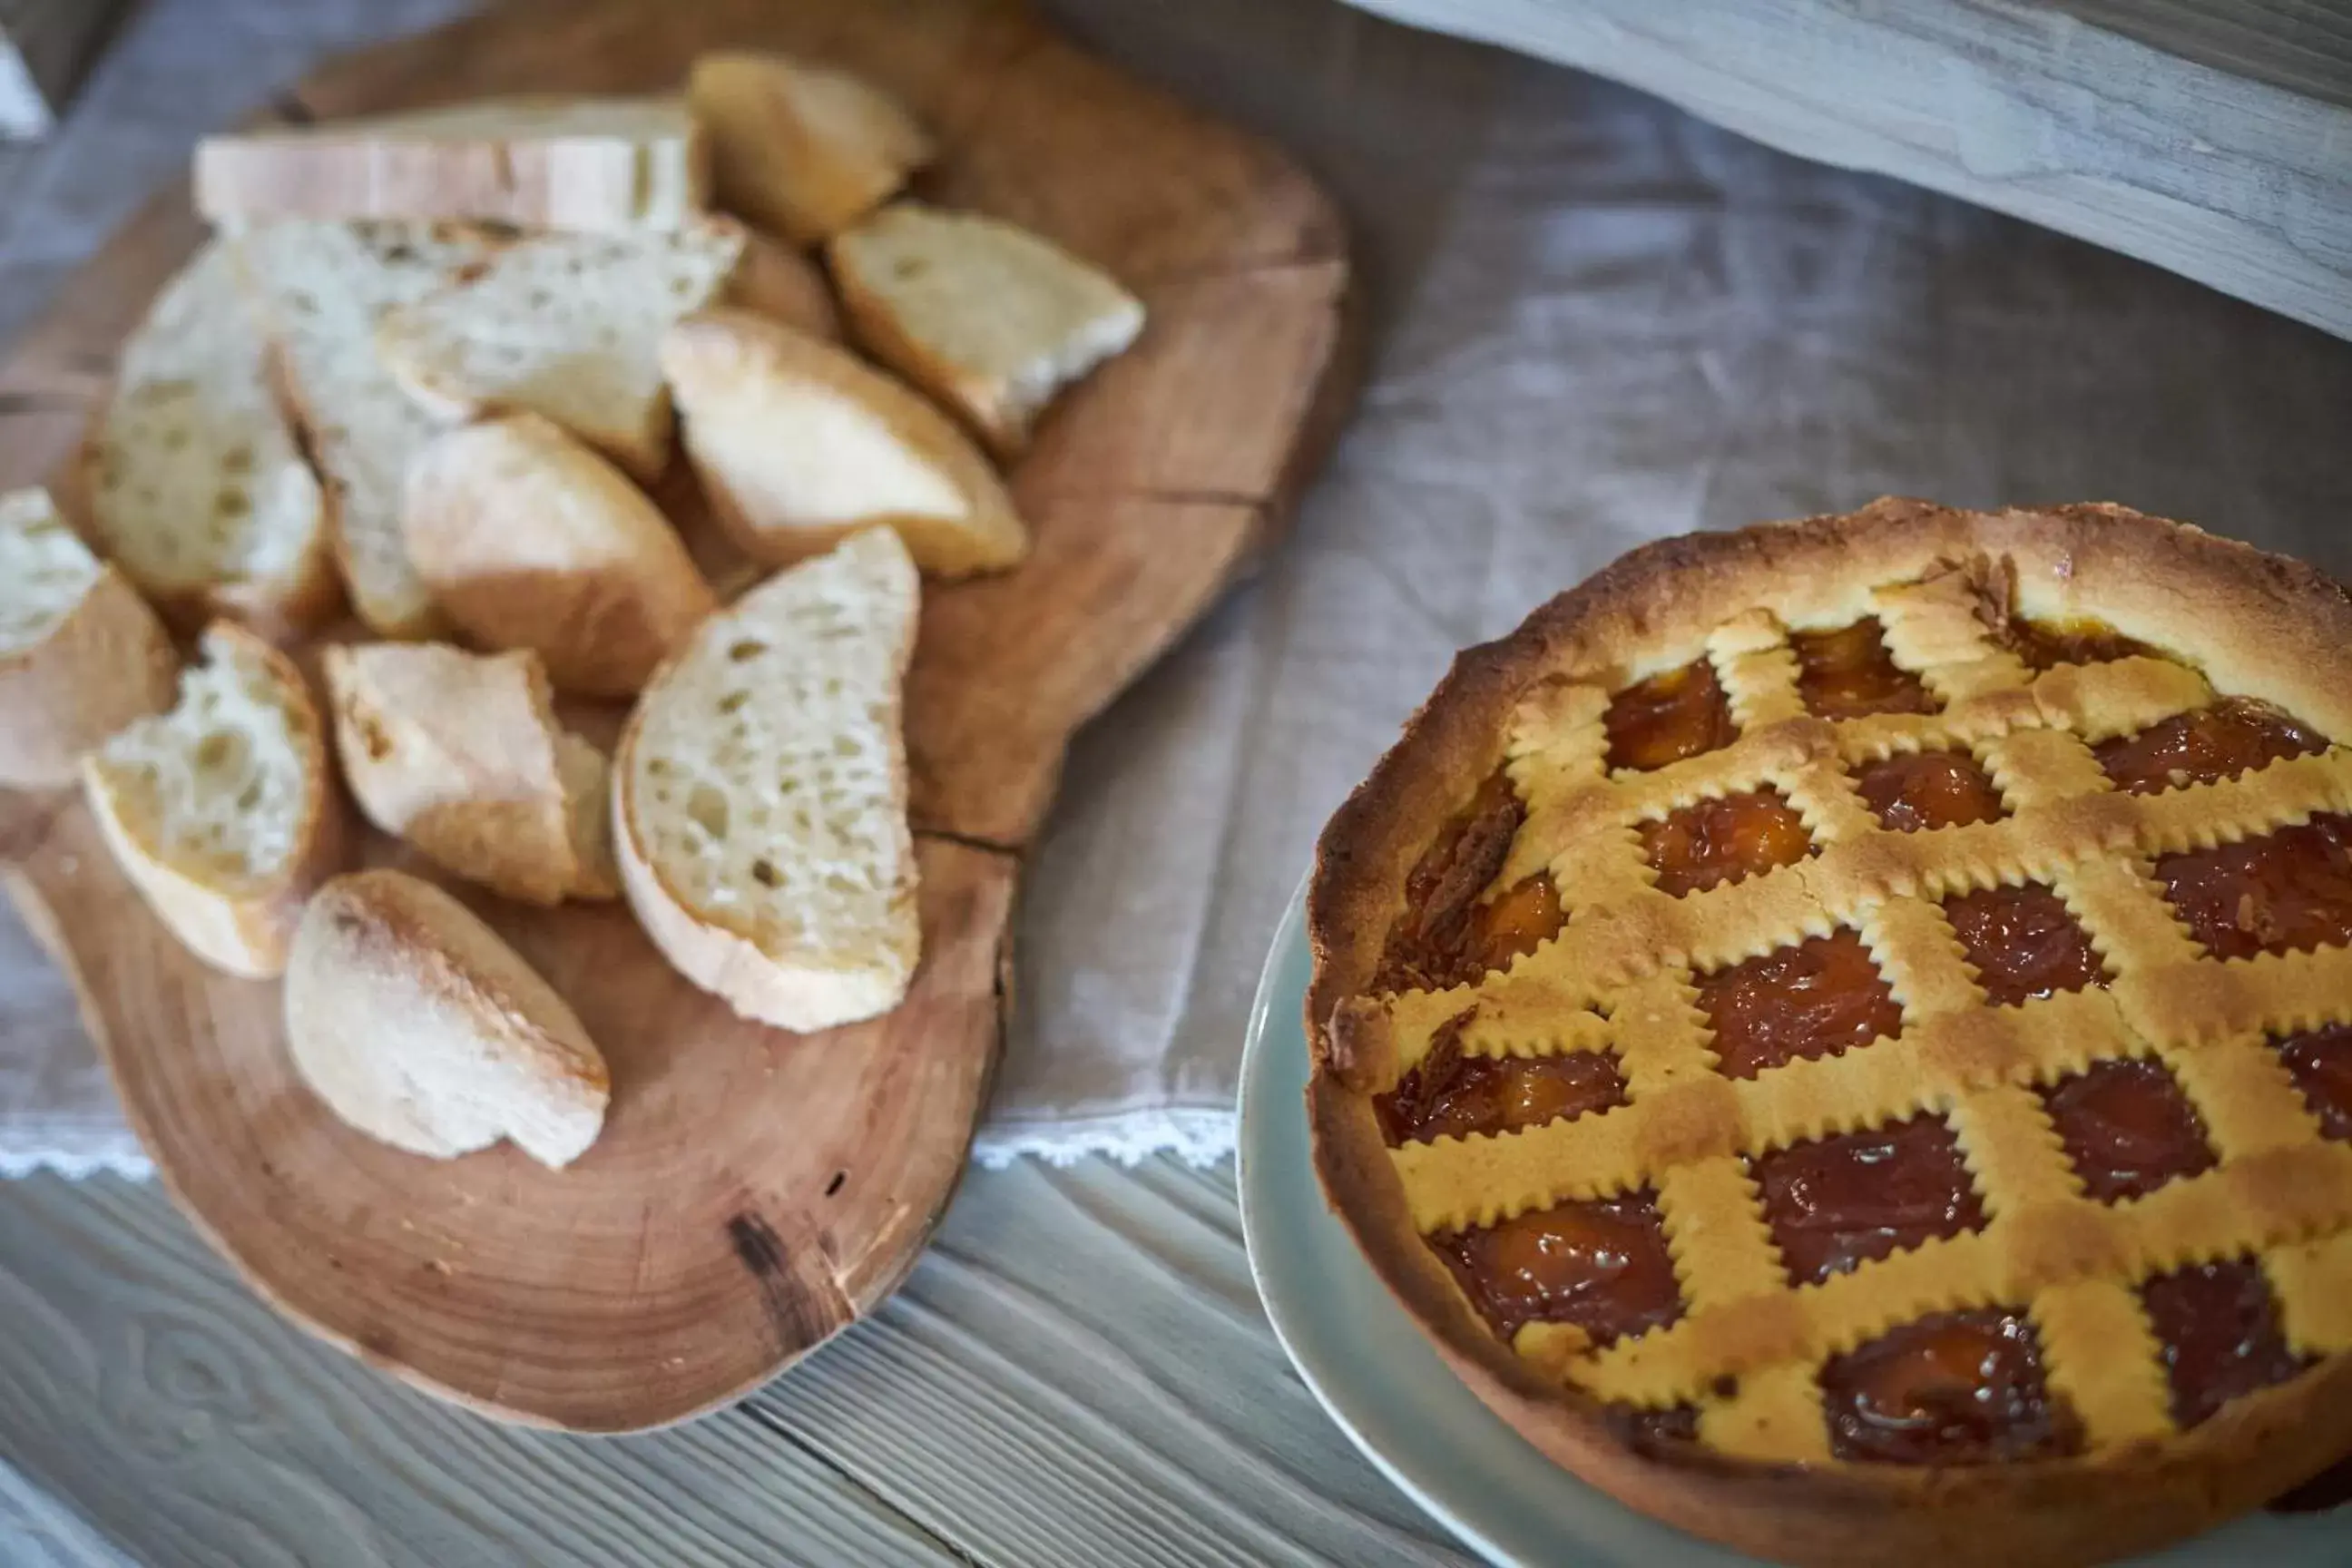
594	163
567	325
419	1026
784	284
321	287
461	755
760	794
80	653
986	317
192	480
799	444
220	811
530	539
801	149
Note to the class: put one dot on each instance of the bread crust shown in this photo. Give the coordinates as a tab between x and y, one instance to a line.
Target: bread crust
493	807
2257	623
106	662
480	538
245	930
371	937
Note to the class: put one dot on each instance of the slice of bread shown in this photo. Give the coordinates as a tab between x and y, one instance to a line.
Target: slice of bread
419	1026
986	317
220	811
462	756
80	653
323	287
528	539
799	444
591	163
781	283
193	483
567	325
799	148
760	794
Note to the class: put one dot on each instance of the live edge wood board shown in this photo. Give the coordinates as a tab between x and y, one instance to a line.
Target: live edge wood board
753	1190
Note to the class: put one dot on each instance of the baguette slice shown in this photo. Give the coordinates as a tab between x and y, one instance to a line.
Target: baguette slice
598	164
781	283
323	287
220	811
800	443
760	794
80	653
569	326
988	317
194	484
419	1026
801	149
461	755
530	539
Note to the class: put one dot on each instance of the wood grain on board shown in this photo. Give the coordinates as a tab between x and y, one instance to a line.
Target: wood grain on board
753	1190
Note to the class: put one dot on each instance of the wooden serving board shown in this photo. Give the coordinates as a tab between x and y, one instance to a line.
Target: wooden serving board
753	1190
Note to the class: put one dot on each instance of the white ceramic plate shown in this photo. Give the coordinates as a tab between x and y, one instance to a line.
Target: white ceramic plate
1367	1362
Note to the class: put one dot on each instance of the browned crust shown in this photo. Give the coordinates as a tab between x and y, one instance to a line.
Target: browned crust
2256	623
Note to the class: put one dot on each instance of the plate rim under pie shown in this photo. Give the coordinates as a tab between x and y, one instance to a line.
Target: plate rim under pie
2253	622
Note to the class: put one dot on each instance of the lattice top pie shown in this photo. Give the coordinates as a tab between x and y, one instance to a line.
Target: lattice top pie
1843	1031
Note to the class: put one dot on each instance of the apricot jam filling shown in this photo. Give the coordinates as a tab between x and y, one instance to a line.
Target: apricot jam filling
1848	674
1818	998
2046	645
1598	1264
2282	892
1724	840
1674	714
2321	1063
1447	936
1956	1388
2023	943
2218	1325
1837	1202
2127	1128
1911	791
2234	736
1448	1094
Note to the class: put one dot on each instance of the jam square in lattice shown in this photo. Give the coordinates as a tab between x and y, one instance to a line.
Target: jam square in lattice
2234	736
2023	943
1820	997
2282	892
2321	1061
1849	674
1602	1265
1956	1388
1727	839
2046	645
1676	713
2218	1325
1915	790
2127	1128
1837	1202
1451	1094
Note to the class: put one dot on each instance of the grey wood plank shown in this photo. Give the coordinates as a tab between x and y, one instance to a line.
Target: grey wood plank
2303	46
2231	179
146	1391
39	1531
1079	1373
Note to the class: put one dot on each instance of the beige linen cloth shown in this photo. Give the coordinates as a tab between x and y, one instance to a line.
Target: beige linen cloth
1596	321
